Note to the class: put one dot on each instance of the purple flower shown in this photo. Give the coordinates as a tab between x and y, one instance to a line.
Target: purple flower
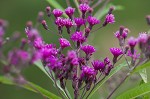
142	38
69	11
57	12
79	21
110	18
123	35
59	22
98	65
36	56
107	61
84	7
92	20
32	34
71	54
88	72
134	56
38	43
68	23
78	37
64	43
116	51
88	49
132	41
1	31
47	52
54	63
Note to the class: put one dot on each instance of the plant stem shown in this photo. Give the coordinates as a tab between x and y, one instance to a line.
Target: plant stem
66	93
77	5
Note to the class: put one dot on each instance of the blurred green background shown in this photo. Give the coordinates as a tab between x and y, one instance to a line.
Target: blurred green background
18	12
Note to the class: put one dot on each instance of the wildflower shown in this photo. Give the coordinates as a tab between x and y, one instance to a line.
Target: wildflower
70	11
48	11
78	37
88	49
57	13
98	65
38	43
116	52
79	22
64	43
109	19
132	42
84	8
92	21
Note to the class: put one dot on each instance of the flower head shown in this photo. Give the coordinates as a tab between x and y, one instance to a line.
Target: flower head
88	71
59	22
57	12
134	56
110	18
79	21
38	43
84	7
69	11
78	37
132	41
98	65
142	38
64	42
92	20
71	54
88	49
116	51
68	23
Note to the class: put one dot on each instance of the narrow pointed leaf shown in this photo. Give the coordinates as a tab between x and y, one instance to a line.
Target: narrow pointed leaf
143	75
30	86
136	92
41	67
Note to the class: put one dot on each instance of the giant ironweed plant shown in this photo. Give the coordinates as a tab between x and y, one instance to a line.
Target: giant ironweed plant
76	65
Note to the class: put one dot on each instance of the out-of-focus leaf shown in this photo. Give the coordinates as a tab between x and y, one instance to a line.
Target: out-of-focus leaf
55	4
77	5
30	86
99	14
146	65
135	92
143	75
40	66
115	70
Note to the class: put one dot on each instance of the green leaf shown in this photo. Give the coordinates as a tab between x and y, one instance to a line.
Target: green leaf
135	92
100	13
115	70
143	75
41	67
30	86
146	65
55	4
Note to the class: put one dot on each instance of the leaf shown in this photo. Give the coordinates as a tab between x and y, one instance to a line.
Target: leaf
135	92
30	86
41	67
143	75
146	65
100	13
115	70
55	4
